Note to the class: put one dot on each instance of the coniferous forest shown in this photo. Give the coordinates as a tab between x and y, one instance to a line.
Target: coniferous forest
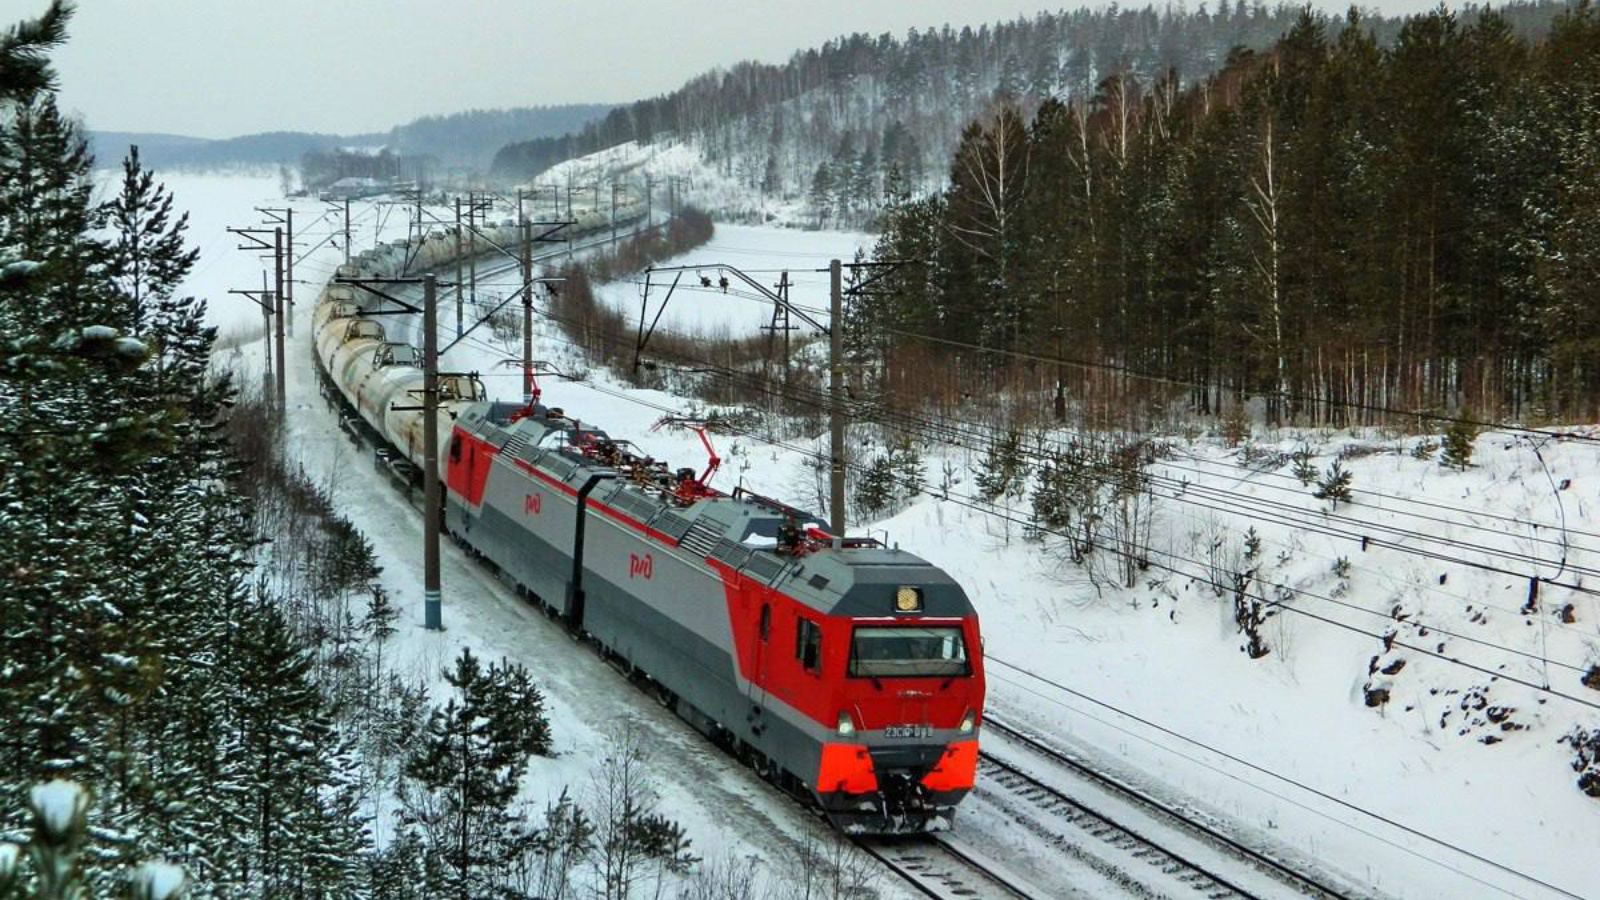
1330	225
143	664
836	127
194	684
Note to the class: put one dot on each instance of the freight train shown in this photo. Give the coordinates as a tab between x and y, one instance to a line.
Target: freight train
846	672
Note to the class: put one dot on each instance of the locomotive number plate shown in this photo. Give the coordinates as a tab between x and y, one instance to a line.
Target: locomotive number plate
904	731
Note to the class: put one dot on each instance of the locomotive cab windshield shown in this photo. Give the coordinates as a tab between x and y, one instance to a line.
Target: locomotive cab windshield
907	651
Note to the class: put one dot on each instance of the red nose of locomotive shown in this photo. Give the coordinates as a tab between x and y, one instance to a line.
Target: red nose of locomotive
905	748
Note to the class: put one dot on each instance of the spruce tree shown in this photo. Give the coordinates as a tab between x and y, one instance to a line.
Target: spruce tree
1004	470
822	188
771	178
876	492
1459	439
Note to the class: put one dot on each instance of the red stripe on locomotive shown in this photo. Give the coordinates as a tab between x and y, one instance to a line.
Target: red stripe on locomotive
467	473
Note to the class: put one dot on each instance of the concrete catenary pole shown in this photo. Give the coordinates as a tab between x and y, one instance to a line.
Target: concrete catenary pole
836	399
266	341
277	296
432	616
472	255
459	253
527	309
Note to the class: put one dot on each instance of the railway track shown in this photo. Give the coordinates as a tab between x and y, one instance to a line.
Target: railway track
1140	842
935	868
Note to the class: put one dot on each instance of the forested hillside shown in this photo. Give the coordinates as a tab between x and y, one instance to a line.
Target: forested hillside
1332	225
839	125
459	140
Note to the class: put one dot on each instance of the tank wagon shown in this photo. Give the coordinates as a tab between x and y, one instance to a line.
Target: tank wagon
847	672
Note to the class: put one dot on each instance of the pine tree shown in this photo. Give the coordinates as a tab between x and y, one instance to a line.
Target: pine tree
1303	470
45	204
988	184
474	753
273	761
1334	485
135	658
908	468
24	54
50	864
147	255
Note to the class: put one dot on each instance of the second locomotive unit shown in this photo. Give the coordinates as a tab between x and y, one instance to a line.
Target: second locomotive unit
841	669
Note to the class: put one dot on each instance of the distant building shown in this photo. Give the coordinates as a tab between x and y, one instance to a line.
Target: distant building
354	188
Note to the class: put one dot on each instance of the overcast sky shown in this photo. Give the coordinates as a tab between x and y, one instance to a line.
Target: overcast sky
219	68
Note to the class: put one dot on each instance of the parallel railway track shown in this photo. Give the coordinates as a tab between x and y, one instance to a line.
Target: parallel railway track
1175	865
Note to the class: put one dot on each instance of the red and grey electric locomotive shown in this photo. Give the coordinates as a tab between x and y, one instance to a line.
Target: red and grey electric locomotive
840	668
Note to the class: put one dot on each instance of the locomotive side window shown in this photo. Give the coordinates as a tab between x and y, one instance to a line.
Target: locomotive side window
766	621
455	449
808	644
907	652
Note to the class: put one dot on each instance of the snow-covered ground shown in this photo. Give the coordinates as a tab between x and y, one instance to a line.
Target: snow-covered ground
764	254
728	813
676	170
1215	722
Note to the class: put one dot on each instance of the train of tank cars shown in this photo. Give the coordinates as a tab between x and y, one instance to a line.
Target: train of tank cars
848	673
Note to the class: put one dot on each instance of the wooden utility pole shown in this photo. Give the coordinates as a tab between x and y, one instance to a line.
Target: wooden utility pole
432	615
613	212
836	400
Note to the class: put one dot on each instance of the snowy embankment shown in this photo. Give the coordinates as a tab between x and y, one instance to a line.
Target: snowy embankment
1152	682
1283	748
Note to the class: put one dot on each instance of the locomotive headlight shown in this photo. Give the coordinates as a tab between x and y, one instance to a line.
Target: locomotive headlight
908	599
847	725
969	722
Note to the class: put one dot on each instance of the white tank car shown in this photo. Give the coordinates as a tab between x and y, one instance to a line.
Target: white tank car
376	372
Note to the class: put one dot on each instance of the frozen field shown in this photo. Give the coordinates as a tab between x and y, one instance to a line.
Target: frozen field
765	254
